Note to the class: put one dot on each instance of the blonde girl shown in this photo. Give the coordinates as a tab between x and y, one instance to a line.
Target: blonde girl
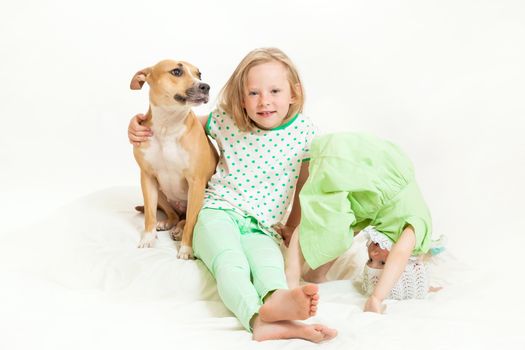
263	141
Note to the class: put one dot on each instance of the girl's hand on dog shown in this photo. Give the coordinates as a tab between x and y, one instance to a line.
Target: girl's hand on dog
137	132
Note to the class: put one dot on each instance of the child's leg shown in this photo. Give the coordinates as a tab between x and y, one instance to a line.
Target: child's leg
291	330
294	261
267	267
266	262
217	243
319	274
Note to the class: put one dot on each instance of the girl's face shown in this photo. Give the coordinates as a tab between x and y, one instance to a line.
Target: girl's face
377	256
267	94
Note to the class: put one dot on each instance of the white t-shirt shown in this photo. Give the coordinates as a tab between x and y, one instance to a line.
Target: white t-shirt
258	169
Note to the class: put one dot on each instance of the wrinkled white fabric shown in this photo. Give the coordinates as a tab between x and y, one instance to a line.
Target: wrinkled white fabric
79	273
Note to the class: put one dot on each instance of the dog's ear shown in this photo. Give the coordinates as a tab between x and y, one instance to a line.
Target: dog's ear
139	78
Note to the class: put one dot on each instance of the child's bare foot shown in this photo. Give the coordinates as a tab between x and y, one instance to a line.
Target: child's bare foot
291	304
289	330
374	305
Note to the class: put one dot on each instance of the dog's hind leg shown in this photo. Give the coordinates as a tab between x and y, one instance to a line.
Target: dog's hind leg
176	231
172	218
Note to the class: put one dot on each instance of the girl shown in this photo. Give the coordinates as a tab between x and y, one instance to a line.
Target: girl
264	142
358	180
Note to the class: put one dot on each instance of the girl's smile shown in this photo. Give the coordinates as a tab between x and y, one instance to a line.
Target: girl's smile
266	114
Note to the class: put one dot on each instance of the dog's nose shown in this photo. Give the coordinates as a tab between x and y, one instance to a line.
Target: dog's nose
204	88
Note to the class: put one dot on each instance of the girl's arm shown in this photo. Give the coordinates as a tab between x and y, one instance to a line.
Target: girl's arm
394	266
295	215
138	133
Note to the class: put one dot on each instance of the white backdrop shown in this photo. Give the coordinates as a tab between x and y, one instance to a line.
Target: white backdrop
444	79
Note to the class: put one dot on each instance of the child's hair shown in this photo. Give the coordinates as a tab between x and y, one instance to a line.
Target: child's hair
232	94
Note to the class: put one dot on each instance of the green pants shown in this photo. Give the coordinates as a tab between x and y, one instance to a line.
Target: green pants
246	263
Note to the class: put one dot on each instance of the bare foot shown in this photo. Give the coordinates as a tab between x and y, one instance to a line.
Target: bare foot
291	330
291	304
374	305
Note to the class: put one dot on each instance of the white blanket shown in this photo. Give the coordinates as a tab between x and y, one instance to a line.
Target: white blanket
77	281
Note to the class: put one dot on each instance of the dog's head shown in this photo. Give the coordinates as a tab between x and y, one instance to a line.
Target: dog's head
172	84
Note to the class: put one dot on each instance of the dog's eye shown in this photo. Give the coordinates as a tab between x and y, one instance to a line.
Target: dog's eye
176	72
199	75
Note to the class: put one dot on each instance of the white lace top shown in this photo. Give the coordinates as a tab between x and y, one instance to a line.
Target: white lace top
413	282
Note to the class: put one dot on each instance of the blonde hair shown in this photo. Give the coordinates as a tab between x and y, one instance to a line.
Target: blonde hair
232	94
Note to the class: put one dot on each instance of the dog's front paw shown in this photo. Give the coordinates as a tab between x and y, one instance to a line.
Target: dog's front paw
148	240
185	252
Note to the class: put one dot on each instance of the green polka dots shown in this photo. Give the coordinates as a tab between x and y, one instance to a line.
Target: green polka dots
258	169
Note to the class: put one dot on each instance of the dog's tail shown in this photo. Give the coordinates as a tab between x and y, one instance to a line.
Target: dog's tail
140	209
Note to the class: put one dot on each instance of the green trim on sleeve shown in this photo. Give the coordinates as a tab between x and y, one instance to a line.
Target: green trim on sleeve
207	128
306	160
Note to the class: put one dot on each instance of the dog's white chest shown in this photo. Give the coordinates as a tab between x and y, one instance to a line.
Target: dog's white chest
168	161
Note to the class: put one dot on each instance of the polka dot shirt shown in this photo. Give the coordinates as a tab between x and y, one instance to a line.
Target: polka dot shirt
258	169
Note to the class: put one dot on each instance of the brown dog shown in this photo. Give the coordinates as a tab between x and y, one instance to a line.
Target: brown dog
179	159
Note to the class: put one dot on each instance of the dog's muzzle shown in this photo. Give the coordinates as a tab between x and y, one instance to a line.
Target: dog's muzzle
197	94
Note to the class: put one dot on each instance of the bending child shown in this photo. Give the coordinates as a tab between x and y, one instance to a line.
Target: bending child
355	181
264	143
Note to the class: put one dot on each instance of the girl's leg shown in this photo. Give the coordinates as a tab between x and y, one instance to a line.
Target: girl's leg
291	330
319	274
267	266
294	261
217	243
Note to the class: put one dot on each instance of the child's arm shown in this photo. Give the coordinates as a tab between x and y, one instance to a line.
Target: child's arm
295	215
138	133
394	266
